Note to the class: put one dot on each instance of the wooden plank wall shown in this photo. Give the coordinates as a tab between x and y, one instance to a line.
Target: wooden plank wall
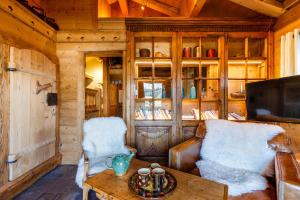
4	105
21	29
73	14
72	45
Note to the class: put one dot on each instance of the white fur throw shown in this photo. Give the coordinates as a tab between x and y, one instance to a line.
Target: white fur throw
240	145
239	181
103	138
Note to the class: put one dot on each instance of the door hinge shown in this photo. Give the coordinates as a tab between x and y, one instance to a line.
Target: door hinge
12	158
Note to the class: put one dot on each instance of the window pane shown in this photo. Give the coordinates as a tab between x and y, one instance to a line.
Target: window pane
143	110
162	89
236	89
162	110
190	109
209	110
189	89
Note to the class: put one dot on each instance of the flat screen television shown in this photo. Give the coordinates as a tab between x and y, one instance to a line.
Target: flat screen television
274	100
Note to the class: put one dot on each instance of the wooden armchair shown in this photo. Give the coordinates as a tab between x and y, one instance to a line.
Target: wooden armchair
103	137
183	157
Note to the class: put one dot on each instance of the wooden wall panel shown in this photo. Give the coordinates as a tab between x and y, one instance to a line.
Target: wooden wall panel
21	29
70	110
4	122
71	49
73	14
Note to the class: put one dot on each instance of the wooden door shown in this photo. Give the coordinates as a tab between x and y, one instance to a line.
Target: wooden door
32	120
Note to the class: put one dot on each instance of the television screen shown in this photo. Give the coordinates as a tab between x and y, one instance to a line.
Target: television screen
274	100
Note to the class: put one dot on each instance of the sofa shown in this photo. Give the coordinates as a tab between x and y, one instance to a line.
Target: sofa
285	185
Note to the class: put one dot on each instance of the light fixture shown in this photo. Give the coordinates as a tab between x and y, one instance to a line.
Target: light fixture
144	4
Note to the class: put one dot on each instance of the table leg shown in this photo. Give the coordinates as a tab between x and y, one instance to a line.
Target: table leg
85	193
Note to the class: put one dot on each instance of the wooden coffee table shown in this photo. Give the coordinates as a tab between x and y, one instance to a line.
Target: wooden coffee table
110	187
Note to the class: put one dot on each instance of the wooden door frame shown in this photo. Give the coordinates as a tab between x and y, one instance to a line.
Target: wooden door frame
106	54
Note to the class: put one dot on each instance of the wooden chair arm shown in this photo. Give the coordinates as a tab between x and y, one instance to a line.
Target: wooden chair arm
86	166
287	176
183	156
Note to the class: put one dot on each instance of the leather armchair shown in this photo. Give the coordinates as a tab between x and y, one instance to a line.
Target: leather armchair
183	157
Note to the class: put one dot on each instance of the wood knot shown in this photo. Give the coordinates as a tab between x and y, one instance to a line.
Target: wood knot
116	38
10	8
82	38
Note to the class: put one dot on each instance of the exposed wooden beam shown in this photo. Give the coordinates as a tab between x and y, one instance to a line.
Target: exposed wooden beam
289	3
160	7
289	18
191	8
270	8
124	7
104	9
111	1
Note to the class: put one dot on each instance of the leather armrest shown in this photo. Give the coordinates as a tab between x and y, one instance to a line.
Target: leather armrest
183	156
287	176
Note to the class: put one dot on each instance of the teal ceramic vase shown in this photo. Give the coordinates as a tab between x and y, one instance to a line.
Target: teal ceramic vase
120	163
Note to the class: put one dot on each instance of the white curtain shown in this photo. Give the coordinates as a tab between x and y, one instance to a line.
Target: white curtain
290	54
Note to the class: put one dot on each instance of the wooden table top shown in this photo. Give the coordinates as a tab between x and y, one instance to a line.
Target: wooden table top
189	186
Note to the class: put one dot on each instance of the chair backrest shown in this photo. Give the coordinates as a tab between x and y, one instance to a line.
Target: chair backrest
240	145
104	136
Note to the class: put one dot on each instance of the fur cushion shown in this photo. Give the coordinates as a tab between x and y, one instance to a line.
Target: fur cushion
239	181
103	138
240	145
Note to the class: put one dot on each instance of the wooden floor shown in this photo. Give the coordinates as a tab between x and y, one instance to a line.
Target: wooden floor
58	184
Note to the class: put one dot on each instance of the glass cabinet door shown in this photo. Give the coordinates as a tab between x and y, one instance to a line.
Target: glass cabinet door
247	63
153	78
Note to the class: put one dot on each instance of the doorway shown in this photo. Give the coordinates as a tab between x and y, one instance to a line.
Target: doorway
104	84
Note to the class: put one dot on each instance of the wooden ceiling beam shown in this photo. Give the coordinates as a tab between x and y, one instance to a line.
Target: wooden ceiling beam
160	7
191	8
289	18
289	3
270	8
111	1
124	7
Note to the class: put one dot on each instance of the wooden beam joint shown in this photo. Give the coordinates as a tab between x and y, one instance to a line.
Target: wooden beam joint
160	7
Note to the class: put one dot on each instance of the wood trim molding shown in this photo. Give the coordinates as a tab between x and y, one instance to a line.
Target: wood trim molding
12	189
198	24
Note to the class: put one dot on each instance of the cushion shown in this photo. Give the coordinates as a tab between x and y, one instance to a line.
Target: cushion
239	181
240	145
104	136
